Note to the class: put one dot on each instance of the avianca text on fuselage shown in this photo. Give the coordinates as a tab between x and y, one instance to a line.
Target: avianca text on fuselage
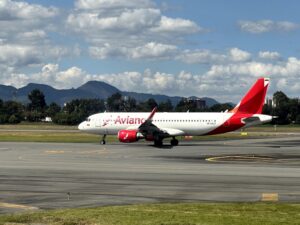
129	120
131	127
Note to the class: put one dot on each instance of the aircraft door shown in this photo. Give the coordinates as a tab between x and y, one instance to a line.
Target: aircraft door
101	123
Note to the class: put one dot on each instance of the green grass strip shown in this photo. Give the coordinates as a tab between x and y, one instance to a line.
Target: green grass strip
48	132
167	214
79	137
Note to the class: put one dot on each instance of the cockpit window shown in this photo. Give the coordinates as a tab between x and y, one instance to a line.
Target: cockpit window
88	119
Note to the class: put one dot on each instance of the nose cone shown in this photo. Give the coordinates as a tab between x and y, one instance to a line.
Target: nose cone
81	126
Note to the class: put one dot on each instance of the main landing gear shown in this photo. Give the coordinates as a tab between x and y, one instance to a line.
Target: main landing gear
174	142
159	142
103	142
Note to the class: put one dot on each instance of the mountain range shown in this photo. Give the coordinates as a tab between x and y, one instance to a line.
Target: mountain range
91	89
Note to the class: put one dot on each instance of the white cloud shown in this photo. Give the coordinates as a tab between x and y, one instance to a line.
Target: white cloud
176	26
12	10
107	51
31	36
18	17
238	55
119	28
24	39
108	4
151	50
224	82
23	55
201	56
242	72
263	26
18	55
133	30
255	27
286	26
268	55
52	75
144	23
129	21
206	56
154	50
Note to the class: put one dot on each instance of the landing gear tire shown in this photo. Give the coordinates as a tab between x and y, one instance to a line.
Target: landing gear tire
174	142
103	142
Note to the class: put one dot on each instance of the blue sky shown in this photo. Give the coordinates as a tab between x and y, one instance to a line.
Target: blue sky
214	48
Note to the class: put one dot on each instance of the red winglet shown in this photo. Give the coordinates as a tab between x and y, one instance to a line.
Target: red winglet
152	113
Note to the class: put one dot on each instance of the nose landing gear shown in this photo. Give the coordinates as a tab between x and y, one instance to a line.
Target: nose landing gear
102	141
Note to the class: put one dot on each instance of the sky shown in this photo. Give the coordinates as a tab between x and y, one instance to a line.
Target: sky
213	48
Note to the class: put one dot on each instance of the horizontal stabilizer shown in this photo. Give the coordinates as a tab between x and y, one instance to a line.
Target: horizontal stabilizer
251	119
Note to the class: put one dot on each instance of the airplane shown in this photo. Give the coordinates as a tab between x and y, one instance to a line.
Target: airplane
133	126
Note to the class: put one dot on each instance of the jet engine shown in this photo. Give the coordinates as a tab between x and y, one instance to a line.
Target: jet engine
129	136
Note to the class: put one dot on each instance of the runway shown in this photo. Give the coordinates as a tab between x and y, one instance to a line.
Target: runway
55	175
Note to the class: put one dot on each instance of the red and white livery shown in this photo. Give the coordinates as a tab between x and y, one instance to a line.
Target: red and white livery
131	127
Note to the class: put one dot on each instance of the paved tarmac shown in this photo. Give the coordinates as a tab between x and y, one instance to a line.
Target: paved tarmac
55	175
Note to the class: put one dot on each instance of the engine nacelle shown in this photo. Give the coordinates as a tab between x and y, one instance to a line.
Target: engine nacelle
129	136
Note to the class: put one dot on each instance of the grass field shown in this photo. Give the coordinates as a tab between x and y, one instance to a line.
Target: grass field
35	126
166	214
79	137
47	132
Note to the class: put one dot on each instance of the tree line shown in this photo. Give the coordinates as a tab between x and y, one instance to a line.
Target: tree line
75	111
287	110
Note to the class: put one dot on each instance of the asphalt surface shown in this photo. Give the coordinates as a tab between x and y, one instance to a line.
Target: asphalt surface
55	175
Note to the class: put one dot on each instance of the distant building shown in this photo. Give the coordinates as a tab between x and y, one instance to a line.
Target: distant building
200	103
269	103
125	98
47	119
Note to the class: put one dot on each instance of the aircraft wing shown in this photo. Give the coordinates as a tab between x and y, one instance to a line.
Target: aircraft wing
149	129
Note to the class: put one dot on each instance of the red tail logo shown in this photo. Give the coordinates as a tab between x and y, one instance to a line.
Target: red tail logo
253	101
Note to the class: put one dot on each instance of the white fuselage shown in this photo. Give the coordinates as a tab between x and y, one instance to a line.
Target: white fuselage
176	124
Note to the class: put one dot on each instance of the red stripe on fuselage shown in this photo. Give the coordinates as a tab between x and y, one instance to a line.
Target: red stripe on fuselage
233	123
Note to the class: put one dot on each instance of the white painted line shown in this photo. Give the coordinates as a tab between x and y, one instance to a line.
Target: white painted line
17	206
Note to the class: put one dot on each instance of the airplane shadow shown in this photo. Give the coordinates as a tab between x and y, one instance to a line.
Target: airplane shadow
163	146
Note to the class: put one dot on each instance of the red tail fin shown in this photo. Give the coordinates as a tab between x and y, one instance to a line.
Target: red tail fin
253	101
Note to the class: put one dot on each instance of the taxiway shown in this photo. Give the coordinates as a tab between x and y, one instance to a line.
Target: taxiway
55	175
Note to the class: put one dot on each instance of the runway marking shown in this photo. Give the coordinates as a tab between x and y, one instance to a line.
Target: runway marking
238	158
93	152
87	152
55	152
17	206
270	197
